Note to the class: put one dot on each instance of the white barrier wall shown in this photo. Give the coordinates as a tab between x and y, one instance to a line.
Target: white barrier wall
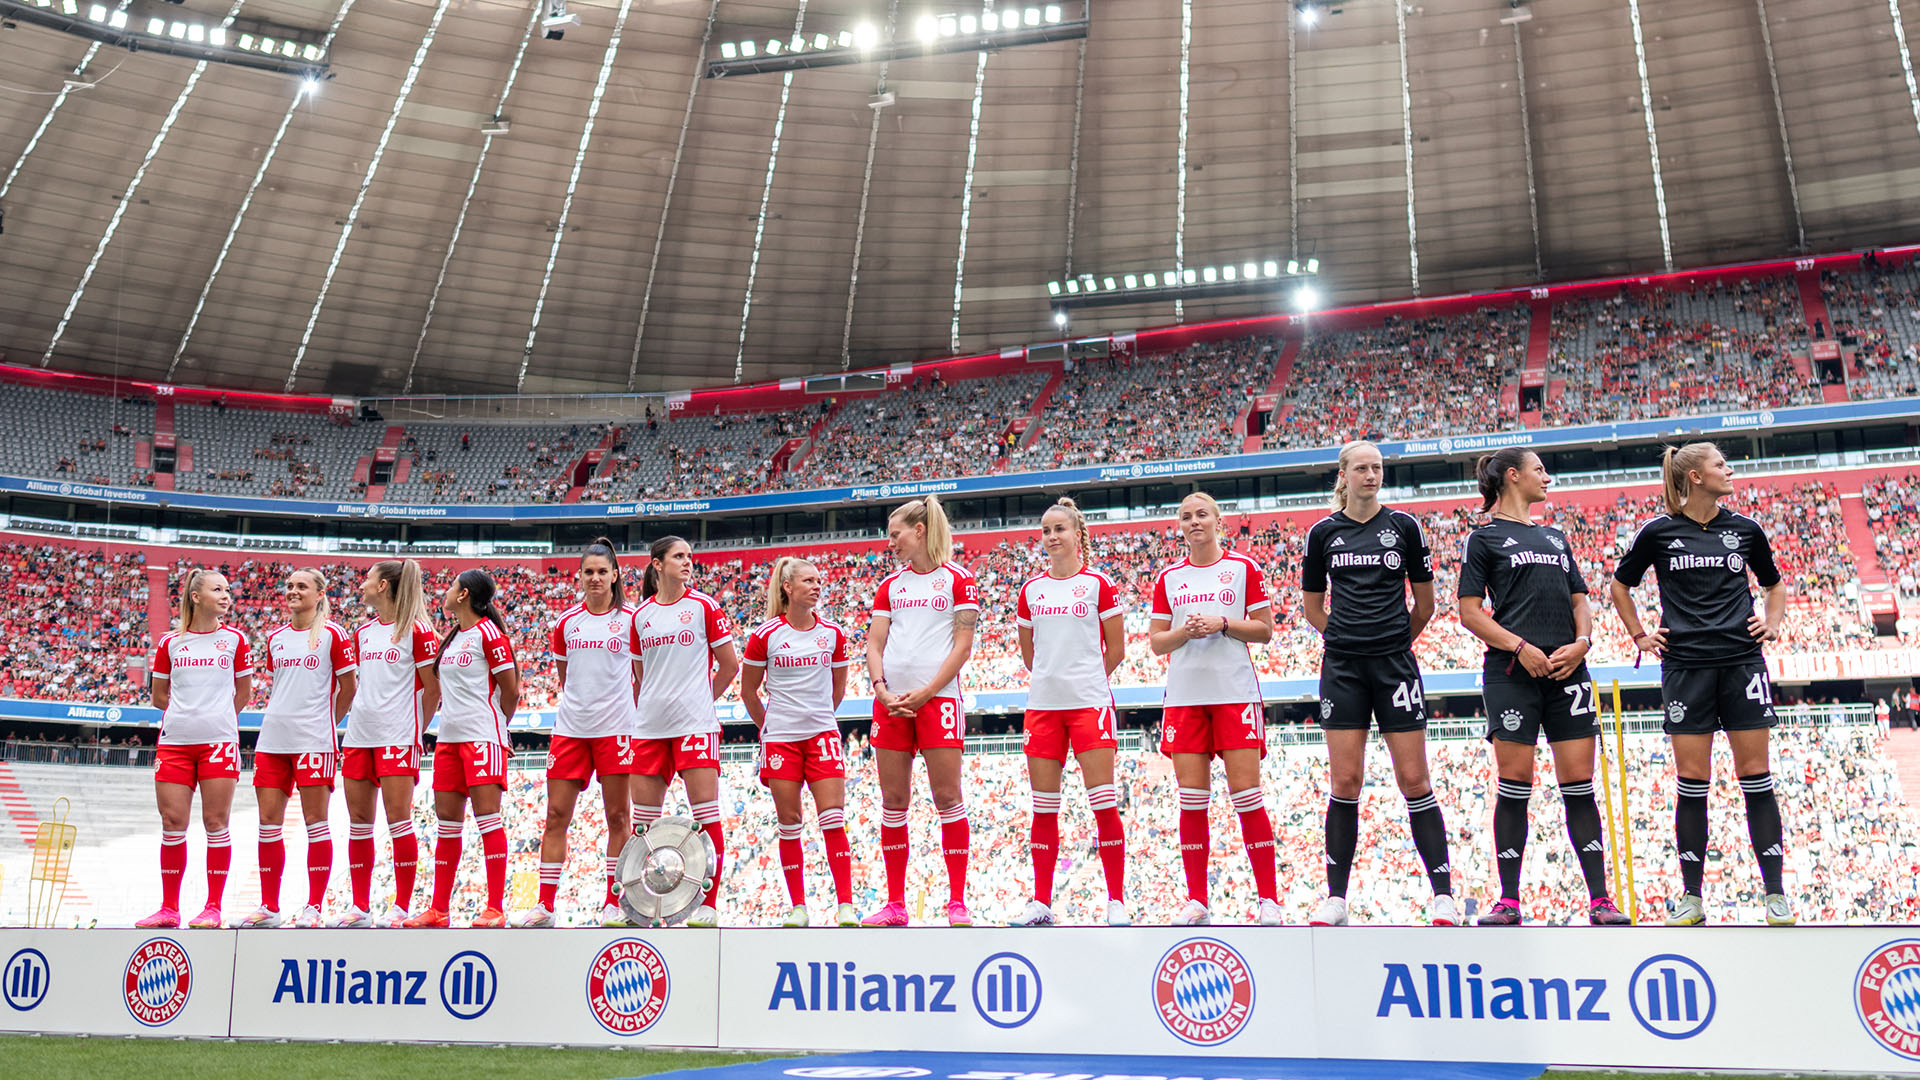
1827	998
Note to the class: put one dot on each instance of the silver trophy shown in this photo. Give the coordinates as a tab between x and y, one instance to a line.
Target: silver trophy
665	871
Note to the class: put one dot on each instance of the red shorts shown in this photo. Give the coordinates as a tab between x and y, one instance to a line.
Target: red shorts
458	766
1209	729
580	760
822	757
1051	731
940	724
370	763
289	771
190	763
664	757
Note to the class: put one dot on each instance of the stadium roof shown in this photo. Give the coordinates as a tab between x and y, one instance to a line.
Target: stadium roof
1078	149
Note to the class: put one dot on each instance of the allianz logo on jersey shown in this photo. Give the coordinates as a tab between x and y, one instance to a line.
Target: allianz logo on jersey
1006	989
465	988
1668	995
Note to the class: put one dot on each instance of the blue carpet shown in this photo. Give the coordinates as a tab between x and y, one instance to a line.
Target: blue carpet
876	1065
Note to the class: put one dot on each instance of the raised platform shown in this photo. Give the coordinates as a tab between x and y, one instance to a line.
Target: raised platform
1811	998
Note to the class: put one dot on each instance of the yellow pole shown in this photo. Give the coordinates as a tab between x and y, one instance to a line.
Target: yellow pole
1626	818
1606	794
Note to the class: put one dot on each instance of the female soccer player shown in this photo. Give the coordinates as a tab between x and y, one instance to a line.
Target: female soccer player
398	690
479	689
1072	635
800	660
202	678
1367	555
1712	674
593	728
683	658
919	638
1207	609
1535	678
313	662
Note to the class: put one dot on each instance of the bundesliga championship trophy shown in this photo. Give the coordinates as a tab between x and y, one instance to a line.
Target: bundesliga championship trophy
665	871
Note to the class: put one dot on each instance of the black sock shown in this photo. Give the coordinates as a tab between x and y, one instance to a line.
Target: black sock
1763	825
1690	832
1430	837
1343	835
1584	828
1510	834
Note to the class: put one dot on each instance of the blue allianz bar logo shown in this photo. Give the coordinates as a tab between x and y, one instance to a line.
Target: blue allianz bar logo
24	981
468	984
1672	996
1006	990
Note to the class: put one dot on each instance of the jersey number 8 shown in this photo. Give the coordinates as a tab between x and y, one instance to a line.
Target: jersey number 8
948	715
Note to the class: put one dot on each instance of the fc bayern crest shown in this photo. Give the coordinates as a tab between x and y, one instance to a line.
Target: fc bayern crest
1080	592
158	981
1884	996
824	641
1389	538
1558	544
1203	991
627	986
1730	541
1226	577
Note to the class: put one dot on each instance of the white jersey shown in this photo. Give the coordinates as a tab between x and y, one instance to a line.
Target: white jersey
201	669
674	644
1069	670
1216	670
596	701
299	717
470	685
919	609
386	698
800	666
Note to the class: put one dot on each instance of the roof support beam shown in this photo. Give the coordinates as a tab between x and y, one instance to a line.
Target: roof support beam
473	183
966	190
1906	59
1780	117
666	203
246	202
1526	146
1406	140
573	185
1073	157
366	185
1653	139
126	197
866	193
1180	153
1293	146
766	196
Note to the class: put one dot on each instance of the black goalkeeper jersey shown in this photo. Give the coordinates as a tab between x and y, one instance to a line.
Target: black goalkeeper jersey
1364	567
1526	576
1705	601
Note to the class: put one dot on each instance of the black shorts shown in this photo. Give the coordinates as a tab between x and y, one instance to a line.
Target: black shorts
1701	701
1356	690
1520	707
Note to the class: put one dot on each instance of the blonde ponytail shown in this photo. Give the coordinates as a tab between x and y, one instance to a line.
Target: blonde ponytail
409	596
1675	464
188	586
928	512
784	569
1340	478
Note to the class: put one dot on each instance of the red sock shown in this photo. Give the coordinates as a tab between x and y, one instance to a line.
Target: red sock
219	861
790	864
1195	839
550	884
1256	828
493	847
446	859
406	862
955	838
319	862
360	863
1113	838
893	851
273	863
707	815
1045	842
833	835
613	880
173	864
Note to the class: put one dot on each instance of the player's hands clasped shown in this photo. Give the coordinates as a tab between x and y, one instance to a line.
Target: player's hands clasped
1566	659
1534	660
910	703
1199	626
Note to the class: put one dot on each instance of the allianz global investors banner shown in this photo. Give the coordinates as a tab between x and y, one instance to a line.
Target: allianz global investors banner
1844	999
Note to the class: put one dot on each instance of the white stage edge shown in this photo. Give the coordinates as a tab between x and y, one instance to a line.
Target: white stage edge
1808	998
